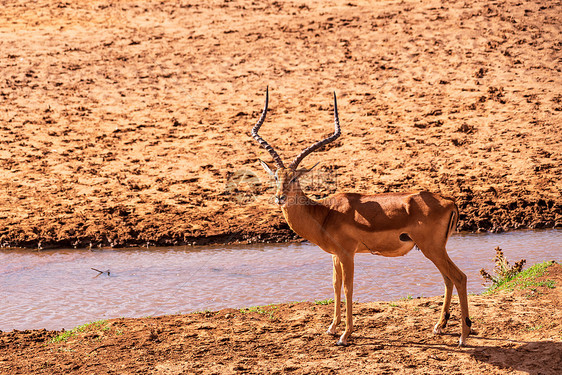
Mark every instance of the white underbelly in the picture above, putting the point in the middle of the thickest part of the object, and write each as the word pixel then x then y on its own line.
pixel 387 244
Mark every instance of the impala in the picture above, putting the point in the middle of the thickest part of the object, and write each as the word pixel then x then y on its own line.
pixel 345 224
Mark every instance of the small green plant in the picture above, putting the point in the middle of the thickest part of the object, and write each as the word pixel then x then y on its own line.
pixel 257 309
pixel 267 310
pixel 503 271
pixel 83 328
pixel 407 298
pixel 328 301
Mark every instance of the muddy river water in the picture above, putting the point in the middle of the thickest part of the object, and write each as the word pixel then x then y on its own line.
pixel 57 289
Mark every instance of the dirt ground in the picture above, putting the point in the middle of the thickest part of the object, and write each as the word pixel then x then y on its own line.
pixel 517 332
pixel 127 122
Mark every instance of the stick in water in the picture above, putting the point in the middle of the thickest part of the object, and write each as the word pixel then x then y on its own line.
pixel 101 271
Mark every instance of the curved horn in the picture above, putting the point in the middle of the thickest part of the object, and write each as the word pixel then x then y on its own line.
pixel 260 140
pixel 321 143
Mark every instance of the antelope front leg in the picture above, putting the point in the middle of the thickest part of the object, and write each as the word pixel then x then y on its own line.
pixel 347 273
pixel 336 280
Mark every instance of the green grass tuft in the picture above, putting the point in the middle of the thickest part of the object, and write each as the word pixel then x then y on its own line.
pixel 83 328
pixel 328 301
pixel 524 279
pixel 407 298
pixel 266 310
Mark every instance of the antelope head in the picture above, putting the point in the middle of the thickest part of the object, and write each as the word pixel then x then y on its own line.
pixel 287 178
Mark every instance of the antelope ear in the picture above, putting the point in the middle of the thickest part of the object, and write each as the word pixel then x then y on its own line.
pixel 306 170
pixel 303 171
pixel 266 167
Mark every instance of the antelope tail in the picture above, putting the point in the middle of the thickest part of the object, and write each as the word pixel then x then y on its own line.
pixel 453 221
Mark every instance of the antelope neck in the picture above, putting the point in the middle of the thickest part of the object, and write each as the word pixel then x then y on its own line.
pixel 304 215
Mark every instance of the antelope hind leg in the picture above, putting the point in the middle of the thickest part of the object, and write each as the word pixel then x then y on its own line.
pixel 445 315
pixel 347 273
pixel 449 269
pixel 337 282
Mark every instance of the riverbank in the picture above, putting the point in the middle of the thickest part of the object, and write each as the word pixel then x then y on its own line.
pixel 518 331
pixel 128 123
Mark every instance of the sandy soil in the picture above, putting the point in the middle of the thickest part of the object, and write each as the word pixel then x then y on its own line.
pixel 127 123
pixel 514 333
